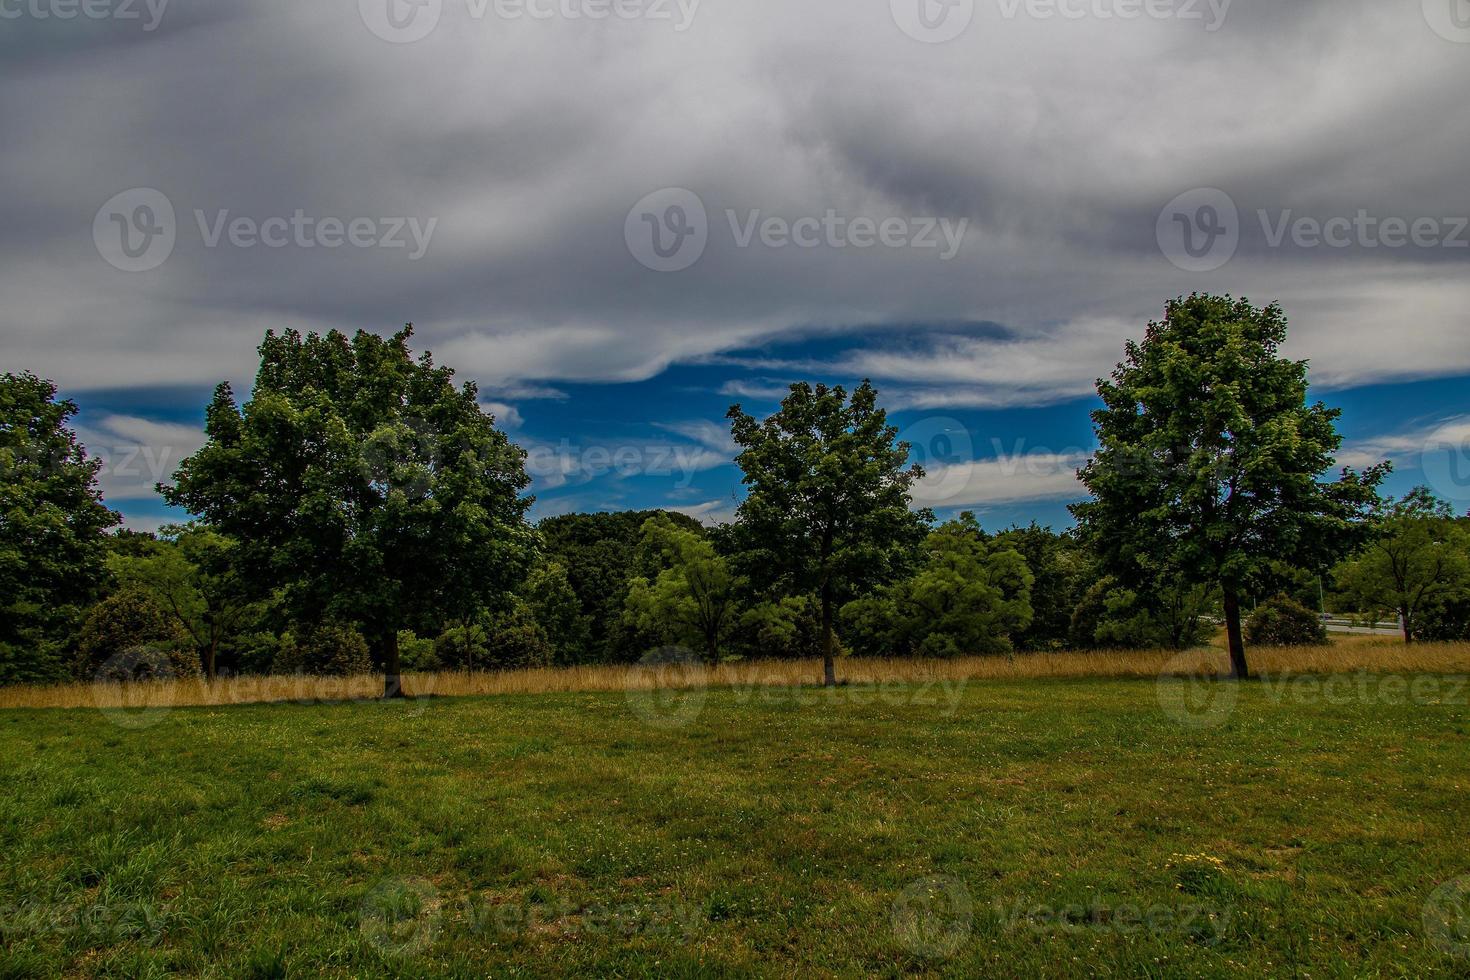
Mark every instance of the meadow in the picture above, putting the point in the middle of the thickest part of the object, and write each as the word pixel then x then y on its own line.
pixel 1043 816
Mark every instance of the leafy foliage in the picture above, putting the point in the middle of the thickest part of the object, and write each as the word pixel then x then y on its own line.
pixel 190 571
pixel 601 553
pixel 693 600
pixel 1209 459
pixel 327 649
pixel 365 485
pixel 968 596
pixel 52 524
pixel 1283 622
pixel 1168 616
pixel 827 509
pixel 1417 564
pixel 129 635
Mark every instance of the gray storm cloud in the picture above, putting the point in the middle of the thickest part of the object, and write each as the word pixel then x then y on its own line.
pixel 526 138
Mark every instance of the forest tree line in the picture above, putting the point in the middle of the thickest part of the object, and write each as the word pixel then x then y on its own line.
pixel 362 512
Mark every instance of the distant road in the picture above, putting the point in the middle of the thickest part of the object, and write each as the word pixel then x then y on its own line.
pixel 1347 626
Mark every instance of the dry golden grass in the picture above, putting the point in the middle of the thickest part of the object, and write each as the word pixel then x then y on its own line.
pixel 1385 656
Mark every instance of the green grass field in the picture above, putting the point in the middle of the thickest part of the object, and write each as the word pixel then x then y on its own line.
pixel 1008 828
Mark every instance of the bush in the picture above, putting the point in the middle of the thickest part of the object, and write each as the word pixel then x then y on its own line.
pixel 416 654
pixel 503 641
pixel 515 640
pixel 1446 621
pixel 327 649
pixel 129 636
pixel 1284 622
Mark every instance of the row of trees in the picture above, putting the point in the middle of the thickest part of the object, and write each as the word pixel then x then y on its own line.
pixel 362 510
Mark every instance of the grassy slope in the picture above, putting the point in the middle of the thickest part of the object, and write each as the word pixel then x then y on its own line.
pixel 764 837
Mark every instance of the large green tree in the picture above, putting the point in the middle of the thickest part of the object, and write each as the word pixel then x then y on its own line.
pixel 52 529
pixel 1418 562
pixel 366 485
pixel 828 496
pixel 1209 459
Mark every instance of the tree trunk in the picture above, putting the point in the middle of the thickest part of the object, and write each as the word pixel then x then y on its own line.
pixel 209 658
pixel 1238 668
pixel 829 668
pixel 392 676
pixel 1404 626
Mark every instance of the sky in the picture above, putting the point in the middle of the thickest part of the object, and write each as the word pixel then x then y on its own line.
pixel 619 217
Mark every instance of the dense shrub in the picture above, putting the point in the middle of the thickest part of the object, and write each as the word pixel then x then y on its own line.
pixel 514 639
pixel 128 635
pixel 462 647
pixel 415 653
pixel 1446 621
pixel 502 641
pixel 1284 622
pixel 1111 616
pixel 328 649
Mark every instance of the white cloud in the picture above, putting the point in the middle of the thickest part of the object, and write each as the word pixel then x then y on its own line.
pixel 1003 480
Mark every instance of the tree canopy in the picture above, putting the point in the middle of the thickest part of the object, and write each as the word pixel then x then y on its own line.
pixel 52 519
pixel 1209 460
pixel 828 493
pixel 365 485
